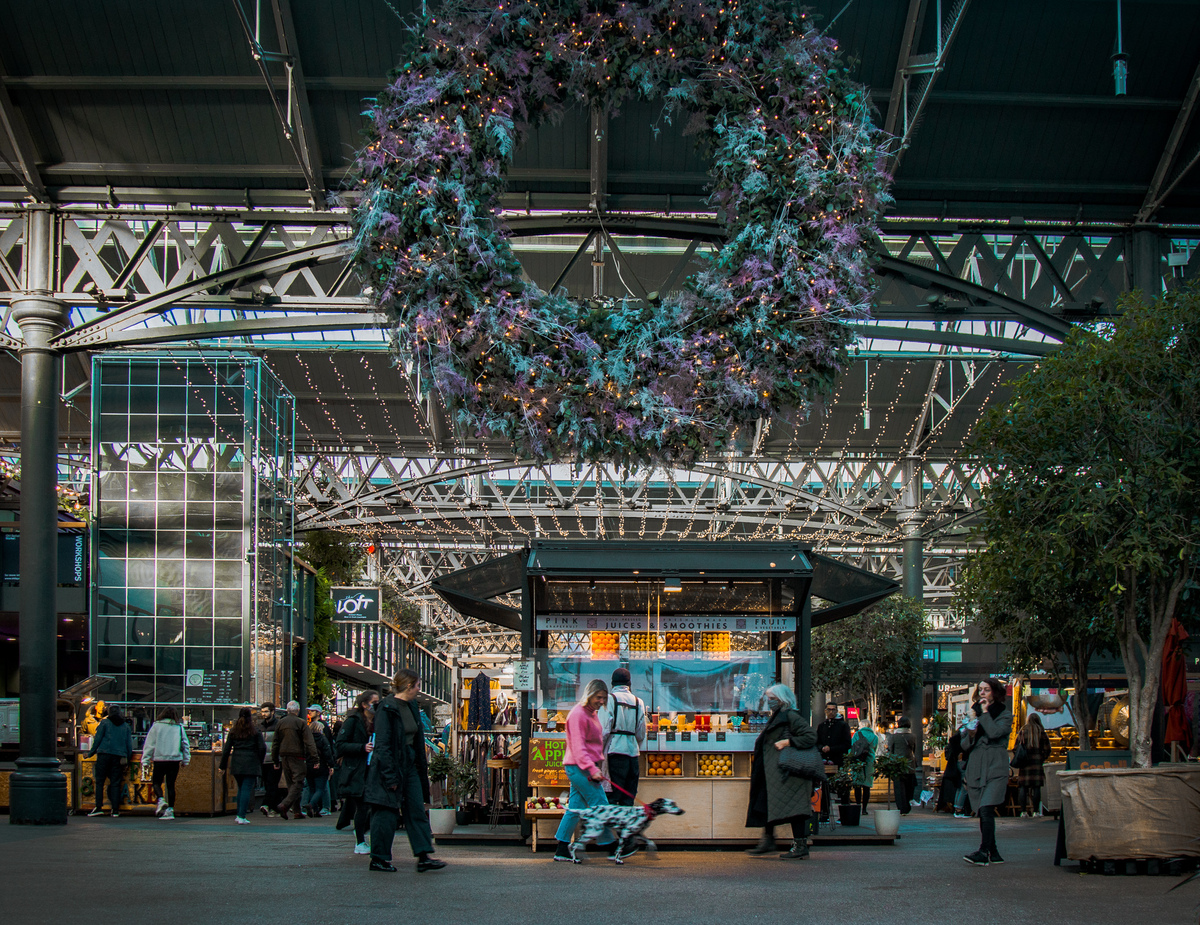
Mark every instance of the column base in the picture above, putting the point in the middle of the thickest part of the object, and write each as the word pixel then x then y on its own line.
pixel 37 793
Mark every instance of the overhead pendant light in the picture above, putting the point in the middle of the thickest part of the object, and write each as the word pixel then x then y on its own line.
pixel 672 585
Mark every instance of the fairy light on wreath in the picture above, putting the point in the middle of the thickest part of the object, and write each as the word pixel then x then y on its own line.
pixel 798 179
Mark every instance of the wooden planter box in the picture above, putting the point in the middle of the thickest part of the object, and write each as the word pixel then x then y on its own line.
pixel 1121 813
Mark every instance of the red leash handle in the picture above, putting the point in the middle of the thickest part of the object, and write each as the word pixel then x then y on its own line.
pixel 624 791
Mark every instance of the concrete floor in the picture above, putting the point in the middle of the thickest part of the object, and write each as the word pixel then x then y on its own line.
pixel 133 870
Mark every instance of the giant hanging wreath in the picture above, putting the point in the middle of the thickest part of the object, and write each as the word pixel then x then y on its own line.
pixel 797 180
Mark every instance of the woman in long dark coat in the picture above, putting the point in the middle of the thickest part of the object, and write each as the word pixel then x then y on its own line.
pixel 398 777
pixel 353 746
pixel 1032 775
pixel 242 757
pixel 775 796
pixel 985 740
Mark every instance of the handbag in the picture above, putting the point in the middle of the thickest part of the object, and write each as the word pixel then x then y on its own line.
pixel 1020 756
pixel 802 762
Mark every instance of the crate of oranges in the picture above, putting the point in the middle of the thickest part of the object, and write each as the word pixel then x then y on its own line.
pixel 677 642
pixel 664 764
pixel 605 645
pixel 643 642
pixel 715 643
pixel 711 765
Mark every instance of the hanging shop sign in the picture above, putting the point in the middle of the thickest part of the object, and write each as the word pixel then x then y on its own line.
pixel 355 605
pixel 523 677
pixel 580 623
pixel 546 763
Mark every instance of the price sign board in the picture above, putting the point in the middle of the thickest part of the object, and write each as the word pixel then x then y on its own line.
pixel 523 677
pixel 546 763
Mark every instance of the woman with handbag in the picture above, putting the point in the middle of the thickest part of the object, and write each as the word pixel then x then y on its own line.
pixel 244 752
pixel 582 760
pixel 985 740
pixel 354 747
pixel 777 796
pixel 1031 777
pixel 166 750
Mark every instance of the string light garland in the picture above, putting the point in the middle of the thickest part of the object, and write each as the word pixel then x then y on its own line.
pixel 798 181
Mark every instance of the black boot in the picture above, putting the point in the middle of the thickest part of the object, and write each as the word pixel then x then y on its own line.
pixel 798 851
pixel 765 845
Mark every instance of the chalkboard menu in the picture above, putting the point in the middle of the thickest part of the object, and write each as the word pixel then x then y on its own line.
pixel 211 686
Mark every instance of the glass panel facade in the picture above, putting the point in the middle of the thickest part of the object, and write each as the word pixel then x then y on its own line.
pixel 192 517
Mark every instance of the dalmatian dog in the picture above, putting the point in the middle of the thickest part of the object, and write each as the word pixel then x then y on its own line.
pixel 628 822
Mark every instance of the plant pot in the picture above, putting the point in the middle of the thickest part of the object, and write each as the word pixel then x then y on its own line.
pixel 887 822
pixel 849 813
pixel 442 821
pixel 464 816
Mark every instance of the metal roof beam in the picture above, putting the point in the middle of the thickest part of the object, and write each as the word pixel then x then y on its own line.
pixel 246 327
pixel 925 70
pixel 912 24
pixel 1156 194
pixel 316 190
pixel 306 132
pixel 17 133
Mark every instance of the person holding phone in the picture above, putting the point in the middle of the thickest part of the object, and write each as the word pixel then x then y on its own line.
pixel 985 742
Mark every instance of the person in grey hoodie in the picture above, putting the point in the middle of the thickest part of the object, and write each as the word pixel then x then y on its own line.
pixel 167 750
pixel 113 748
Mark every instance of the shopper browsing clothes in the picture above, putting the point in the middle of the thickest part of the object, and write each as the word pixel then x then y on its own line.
pixel 291 745
pixel 354 747
pixel 985 740
pixel 1031 777
pixel 398 777
pixel 581 761
pixel 777 797
pixel 112 746
pixel 623 724
pixel 243 756
pixel 166 750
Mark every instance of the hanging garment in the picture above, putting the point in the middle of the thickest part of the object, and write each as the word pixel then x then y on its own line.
pixel 479 714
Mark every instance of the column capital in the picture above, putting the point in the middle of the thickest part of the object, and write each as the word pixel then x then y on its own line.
pixel 40 317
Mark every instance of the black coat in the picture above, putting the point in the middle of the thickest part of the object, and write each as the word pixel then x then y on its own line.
pixel 351 748
pixel 244 756
pixel 324 744
pixel 394 759
pixel 776 796
pixel 836 734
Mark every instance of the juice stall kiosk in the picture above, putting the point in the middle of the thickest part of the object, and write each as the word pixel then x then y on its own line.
pixel 704 629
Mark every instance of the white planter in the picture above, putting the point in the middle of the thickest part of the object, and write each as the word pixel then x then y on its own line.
pixel 441 821
pixel 887 821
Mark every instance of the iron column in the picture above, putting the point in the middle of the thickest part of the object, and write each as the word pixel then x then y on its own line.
pixel 38 790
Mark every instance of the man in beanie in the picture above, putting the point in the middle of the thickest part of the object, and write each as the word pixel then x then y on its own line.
pixel 623 725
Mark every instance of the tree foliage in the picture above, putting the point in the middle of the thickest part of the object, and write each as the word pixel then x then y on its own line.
pixel 339 561
pixel 1096 461
pixel 874 654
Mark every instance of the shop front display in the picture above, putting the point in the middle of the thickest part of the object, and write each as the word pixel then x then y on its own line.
pixel 200 790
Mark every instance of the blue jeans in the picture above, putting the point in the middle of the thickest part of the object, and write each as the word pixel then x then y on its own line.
pixel 245 793
pixel 584 793
pixel 316 791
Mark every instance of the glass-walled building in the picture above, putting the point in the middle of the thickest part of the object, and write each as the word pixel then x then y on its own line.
pixel 192 503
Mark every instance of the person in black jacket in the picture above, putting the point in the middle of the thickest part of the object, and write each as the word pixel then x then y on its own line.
pixel 243 756
pixel 113 748
pixel 272 795
pixel 354 747
pixel 903 744
pixel 317 783
pixel 833 741
pixel 398 777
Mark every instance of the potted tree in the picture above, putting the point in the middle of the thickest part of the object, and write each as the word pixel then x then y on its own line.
pixel 892 768
pixel 842 785
pixel 455 777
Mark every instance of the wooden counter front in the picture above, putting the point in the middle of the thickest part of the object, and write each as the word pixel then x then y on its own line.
pixel 200 789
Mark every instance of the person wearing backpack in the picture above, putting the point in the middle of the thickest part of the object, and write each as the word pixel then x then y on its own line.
pixel 166 750
pixel 623 726
pixel 863 746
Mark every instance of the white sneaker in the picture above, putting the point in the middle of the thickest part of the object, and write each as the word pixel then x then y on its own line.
pixel 242 820
pixel 97 812
pixel 168 813
pixel 362 848
pixel 158 810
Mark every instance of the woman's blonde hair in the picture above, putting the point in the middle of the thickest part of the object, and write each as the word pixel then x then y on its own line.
pixel 594 687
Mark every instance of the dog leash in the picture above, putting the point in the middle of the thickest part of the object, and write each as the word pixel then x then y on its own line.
pixel 645 806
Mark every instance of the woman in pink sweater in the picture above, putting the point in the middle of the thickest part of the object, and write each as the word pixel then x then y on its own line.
pixel 585 751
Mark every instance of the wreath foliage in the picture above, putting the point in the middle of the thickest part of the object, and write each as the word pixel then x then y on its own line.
pixel 797 180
